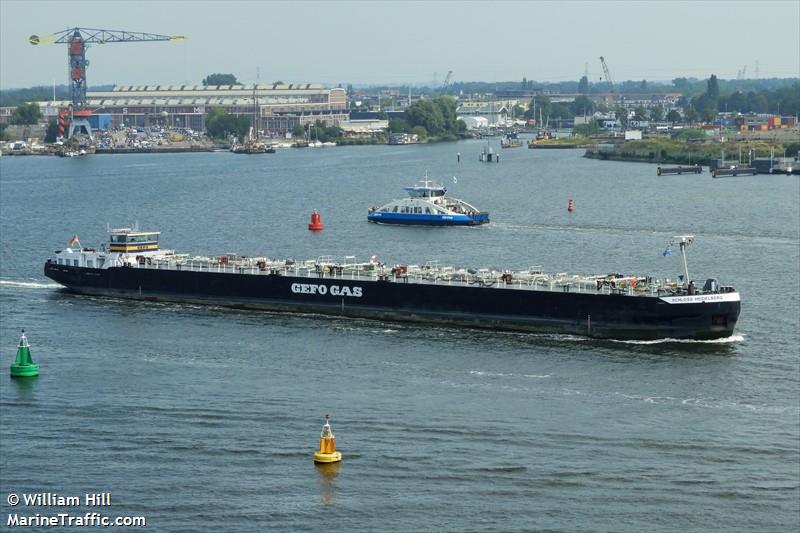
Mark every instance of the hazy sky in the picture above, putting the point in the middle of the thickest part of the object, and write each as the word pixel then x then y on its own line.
pixel 405 42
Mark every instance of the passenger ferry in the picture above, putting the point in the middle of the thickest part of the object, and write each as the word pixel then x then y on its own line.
pixel 613 306
pixel 428 204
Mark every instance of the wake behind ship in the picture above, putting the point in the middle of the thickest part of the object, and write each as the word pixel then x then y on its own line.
pixel 614 306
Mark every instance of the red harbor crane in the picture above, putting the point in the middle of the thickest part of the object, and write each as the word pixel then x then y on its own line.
pixel 77 115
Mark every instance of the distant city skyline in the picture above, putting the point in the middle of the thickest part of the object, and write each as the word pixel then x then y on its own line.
pixel 398 43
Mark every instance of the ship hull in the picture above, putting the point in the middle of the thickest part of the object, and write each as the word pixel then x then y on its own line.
pixel 410 219
pixel 497 307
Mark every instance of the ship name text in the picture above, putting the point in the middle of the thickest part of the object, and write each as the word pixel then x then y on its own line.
pixel 333 290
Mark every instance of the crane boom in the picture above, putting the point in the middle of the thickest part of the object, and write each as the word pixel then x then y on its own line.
pixel 607 74
pixel 95 36
pixel 447 78
pixel 77 39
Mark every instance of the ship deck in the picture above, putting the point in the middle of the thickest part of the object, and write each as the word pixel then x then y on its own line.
pixel 430 273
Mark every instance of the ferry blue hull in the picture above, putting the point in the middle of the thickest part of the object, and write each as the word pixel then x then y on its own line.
pixel 497 307
pixel 428 220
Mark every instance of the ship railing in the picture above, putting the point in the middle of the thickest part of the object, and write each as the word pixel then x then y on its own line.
pixel 523 280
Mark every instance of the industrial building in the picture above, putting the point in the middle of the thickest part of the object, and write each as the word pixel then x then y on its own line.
pixel 277 107
pixel 491 112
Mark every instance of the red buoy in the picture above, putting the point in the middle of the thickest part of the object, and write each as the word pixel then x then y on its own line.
pixel 316 222
pixel 570 206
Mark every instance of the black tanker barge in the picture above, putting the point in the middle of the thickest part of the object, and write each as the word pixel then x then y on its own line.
pixel 603 306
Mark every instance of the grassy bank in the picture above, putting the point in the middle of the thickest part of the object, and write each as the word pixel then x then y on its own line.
pixel 575 140
pixel 685 153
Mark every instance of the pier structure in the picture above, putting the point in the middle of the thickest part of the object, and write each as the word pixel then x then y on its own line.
pixel 736 171
pixel 695 169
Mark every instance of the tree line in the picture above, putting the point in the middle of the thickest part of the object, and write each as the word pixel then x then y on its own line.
pixel 431 119
pixel 702 107
pixel 705 106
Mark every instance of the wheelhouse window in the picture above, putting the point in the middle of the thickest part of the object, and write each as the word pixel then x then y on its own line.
pixel 127 239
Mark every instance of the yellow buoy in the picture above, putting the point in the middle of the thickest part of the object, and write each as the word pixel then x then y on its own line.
pixel 327 445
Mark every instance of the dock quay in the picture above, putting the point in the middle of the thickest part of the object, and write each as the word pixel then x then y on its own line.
pixel 534 145
pixel 694 169
pixel 155 149
pixel 737 171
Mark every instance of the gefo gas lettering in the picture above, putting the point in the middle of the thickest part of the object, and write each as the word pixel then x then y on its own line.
pixel 334 290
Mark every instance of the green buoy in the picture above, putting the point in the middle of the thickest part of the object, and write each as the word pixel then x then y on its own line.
pixel 24 367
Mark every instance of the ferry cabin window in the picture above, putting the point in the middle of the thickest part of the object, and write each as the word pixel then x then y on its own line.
pixel 394 210
pixel 427 210
pixel 75 262
pixel 90 263
pixel 144 238
pixel 134 238
pixel 60 261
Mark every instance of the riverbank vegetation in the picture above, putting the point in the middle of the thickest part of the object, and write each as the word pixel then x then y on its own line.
pixel 432 120
pixel 701 107
pixel 221 124
pixel 688 152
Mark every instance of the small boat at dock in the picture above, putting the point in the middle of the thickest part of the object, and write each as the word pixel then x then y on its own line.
pixel 511 140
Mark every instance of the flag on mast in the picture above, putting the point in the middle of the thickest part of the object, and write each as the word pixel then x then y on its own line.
pixel 74 240
pixel 666 251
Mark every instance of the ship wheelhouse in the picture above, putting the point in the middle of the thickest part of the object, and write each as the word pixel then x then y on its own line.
pixel 126 240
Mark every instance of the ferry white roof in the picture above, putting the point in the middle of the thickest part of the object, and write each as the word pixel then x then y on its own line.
pixel 130 231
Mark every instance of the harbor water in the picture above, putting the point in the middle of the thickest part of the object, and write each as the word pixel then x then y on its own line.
pixel 206 418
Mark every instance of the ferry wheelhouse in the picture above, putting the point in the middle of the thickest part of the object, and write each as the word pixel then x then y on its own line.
pixel 428 204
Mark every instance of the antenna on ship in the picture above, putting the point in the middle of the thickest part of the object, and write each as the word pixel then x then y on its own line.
pixel 683 241
pixel 427 180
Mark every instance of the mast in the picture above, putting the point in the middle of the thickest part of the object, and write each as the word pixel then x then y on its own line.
pixel 683 241
pixel 254 135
